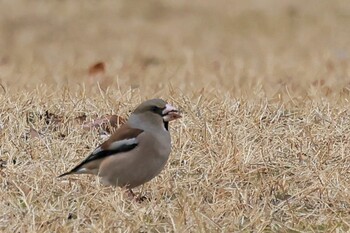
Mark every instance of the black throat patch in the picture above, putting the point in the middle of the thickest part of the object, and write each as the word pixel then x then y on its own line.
pixel 166 125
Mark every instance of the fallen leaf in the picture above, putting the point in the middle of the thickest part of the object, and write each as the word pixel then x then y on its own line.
pixel 97 69
pixel 80 119
pixel 107 123
pixel 33 133
pixel 51 118
pixel 97 74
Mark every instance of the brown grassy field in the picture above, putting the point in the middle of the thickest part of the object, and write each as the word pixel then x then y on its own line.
pixel 264 88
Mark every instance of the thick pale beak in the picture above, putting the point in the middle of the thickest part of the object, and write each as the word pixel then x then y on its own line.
pixel 170 113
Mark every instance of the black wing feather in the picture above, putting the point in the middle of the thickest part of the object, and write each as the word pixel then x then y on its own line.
pixel 105 153
pixel 100 155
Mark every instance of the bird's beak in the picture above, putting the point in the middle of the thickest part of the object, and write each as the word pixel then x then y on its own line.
pixel 170 113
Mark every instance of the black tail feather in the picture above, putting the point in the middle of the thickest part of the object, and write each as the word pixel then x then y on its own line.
pixel 65 174
pixel 73 171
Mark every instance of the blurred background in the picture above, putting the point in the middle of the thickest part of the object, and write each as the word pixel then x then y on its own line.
pixel 230 45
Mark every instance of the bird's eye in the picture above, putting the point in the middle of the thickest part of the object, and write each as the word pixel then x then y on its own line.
pixel 154 109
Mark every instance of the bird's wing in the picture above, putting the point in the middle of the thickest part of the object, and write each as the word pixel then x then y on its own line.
pixel 123 140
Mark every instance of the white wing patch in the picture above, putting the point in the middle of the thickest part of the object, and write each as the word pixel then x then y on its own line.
pixel 117 144
pixel 82 170
pixel 97 150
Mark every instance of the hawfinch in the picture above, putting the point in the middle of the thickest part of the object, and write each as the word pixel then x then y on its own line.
pixel 137 151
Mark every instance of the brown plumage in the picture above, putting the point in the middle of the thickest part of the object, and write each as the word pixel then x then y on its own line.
pixel 137 151
pixel 124 132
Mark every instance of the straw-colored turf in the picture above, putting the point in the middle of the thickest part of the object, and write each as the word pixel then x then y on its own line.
pixel 263 144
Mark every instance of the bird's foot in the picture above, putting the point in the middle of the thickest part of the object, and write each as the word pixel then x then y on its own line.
pixel 138 198
pixel 131 194
pixel 141 199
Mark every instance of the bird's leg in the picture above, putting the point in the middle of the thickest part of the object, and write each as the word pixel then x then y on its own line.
pixel 131 194
pixel 141 198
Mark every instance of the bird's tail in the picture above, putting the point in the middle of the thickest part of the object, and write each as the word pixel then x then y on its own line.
pixel 79 170
pixel 65 174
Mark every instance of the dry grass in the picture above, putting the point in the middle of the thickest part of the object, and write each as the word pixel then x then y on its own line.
pixel 264 88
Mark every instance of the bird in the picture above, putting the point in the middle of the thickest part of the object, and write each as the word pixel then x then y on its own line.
pixel 137 151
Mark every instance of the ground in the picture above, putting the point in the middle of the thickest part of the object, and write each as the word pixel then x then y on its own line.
pixel 263 86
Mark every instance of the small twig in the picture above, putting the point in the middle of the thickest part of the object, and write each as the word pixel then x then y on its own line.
pixel 2 86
